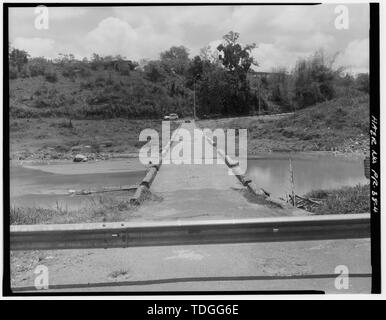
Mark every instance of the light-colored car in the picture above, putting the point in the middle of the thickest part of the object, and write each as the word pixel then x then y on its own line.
pixel 172 116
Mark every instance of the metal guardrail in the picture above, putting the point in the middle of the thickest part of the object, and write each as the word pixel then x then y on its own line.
pixel 138 234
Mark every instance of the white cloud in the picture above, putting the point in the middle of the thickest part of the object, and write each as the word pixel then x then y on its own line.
pixel 270 56
pixel 355 57
pixel 115 36
pixel 306 43
pixel 36 47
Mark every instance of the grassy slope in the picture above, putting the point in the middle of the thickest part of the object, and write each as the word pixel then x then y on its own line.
pixel 101 94
pixel 340 124
pixel 25 94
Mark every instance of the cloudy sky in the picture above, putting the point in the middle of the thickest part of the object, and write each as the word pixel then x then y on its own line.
pixel 282 33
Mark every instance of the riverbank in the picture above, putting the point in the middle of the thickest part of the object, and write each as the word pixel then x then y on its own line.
pixel 48 139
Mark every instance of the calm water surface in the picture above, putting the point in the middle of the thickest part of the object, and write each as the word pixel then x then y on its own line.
pixel 48 185
pixel 310 173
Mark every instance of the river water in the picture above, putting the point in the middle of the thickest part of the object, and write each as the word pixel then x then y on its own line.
pixel 48 185
pixel 310 173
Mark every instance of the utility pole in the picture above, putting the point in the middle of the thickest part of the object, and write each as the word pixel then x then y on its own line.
pixel 194 99
pixel 257 78
pixel 259 97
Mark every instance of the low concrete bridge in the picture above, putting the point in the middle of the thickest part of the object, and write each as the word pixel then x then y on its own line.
pixel 203 191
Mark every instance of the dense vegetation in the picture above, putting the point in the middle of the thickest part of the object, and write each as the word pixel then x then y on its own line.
pixel 222 83
pixel 342 201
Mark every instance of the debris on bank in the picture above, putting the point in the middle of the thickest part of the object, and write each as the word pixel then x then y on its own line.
pixel 307 204
pixel 104 190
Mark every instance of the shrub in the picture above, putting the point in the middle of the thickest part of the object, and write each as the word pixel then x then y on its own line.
pixel 38 67
pixel 84 72
pixel 68 72
pixel 51 76
pixel 13 74
pixel 314 79
pixel 363 82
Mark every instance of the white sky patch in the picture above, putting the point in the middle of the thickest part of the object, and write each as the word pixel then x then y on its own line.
pixel 64 13
pixel 293 19
pixel 55 13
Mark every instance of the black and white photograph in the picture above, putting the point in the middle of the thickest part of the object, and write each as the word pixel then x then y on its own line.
pixel 191 148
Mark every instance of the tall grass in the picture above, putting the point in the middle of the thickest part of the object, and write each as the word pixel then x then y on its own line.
pixel 342 201
pixel 100 208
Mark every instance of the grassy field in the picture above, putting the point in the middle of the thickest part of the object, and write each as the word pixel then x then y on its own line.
pixel 337 125
pixel 50 138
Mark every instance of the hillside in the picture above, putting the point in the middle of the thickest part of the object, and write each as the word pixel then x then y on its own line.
pixel 340 124
pixel 226 86
pixel 96 95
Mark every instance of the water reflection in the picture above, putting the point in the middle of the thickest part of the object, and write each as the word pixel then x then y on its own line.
pixel 309 174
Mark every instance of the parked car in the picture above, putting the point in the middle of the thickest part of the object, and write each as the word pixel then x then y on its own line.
pixel 171 116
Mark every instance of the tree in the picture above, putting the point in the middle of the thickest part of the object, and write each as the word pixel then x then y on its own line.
pixel 233 56
pixel 196 69
pixel 38 66
pixel 278 85
pixel 154 71
pixel 18 58
pixel 237 61
pixel 96 61
pixel 175 59
pixel 363 82
pixel 315 79
pixel 213 92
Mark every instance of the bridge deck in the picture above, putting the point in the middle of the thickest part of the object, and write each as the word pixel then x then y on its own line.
pixel 202 191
